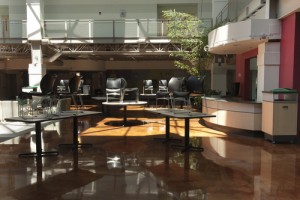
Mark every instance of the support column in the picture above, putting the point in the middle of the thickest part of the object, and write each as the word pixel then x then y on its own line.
pixel 268 62
pixel 36 69
pixel 289 57
pixel 35 21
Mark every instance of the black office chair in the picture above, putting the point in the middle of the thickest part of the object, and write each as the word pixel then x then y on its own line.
pixel 115 87
pixel 178 91
pixel 195 84
pixel 162 92
pixel 63 86
pixel 163 85
pixel 74 88
pixel 147 86
pixel 46 87
pixel 43 100
pixel 74 84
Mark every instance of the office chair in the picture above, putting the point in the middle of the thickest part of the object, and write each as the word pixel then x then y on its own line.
pixel 42 100
pixel 178 91
pixel 163 85
pixel 46 87
pixel 74 88
pixel 195 84
pixel 162 92
pixel 147 86
pixel 63 86
pixel 115 87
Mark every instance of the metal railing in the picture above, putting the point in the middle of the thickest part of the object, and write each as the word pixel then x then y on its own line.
pixel 58 29
pixel 13 29
pixel 231 11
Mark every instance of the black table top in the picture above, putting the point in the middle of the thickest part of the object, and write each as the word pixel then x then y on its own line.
pixel 62 115
pixel 125 103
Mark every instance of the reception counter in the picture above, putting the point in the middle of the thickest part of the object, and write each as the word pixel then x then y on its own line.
pixel 231 113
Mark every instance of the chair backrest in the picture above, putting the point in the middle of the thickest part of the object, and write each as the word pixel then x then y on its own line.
pixel 74 84
pixel 195 84
pixel 64 85
pixel 116 83
pixel 47 83
pixel 163 85
pixel 177 84
pixel 147 83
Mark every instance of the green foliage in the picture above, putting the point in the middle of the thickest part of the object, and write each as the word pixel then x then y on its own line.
pixel 198 102
pixel 188 31
pixel 212 92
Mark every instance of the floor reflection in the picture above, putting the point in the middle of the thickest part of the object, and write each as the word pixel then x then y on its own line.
pixel 127 163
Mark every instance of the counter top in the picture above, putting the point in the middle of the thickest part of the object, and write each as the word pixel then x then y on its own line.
pixel 234 113
pixel 230 99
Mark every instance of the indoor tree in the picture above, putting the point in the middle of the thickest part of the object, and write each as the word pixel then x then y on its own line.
pixel 188 31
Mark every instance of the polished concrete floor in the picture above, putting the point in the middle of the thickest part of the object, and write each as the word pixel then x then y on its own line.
pixel 126 162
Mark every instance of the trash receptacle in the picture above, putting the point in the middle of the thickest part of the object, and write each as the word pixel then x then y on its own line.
pixel 279 115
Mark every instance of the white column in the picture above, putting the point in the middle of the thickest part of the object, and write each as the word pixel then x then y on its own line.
pixel 268 62
pixel 35 21
pixel 36 69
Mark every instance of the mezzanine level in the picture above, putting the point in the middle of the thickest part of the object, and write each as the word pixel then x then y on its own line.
pixel 133 37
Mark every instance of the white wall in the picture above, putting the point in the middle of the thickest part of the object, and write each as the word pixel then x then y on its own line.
pixel 104 2
pixel 4 2
pixel 260 14
pixel 89 9
pixel 108 11
pixel 286 7
pixel 17 10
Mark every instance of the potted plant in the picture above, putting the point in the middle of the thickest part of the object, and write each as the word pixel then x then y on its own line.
pixel 190 32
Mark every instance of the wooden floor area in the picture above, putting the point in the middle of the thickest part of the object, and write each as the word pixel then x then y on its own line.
pixel 143 123
pixel 126 163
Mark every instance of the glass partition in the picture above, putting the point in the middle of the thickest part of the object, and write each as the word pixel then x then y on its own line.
pixel 57 29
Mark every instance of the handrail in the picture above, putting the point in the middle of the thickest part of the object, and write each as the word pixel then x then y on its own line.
pixel 230 12
pixel 91 28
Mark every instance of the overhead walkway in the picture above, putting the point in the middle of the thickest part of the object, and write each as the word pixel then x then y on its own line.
pixel 91 37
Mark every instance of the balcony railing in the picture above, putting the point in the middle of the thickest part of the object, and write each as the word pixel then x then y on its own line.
pixel 71 29
pixel 237 10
